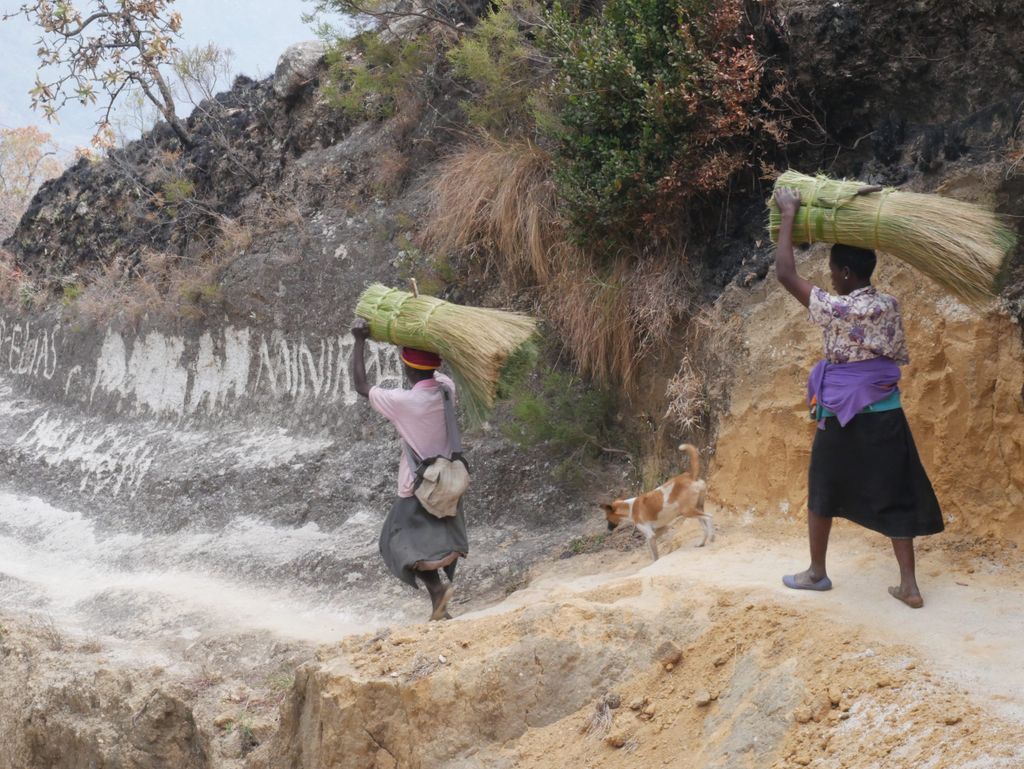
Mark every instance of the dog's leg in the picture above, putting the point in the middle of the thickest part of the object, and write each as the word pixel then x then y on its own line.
pixel 652 540
pixel 709 530
pixel 704 530
pixel 652 545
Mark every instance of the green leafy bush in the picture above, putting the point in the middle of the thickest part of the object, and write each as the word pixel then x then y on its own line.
pixel 175 192
pixel 565 415
pixel 504 69
pixel 71 292
pixel 369 78
pixel 656 100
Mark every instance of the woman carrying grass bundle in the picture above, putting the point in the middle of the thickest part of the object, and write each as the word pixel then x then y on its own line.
pixel 864 464
pixel 413 542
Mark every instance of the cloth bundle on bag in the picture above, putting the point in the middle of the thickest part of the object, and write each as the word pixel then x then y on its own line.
pixel 441 481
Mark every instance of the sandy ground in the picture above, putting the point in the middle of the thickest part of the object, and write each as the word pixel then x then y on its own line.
pixel 969 630
pixel 757 676
pixel 702 660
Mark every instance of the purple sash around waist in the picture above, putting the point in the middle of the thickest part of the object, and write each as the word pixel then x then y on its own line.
pixel 846 388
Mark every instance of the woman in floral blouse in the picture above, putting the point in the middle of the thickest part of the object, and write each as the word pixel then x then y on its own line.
pixel 864 464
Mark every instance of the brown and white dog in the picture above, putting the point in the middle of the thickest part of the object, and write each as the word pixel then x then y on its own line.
pixel 679 497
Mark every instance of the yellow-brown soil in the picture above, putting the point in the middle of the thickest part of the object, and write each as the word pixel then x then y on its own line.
pixel 702 659
pixel 963 394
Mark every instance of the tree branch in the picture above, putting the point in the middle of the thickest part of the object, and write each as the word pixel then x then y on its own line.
pixel 86 23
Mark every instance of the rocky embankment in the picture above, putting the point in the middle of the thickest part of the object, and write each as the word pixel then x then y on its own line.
pixel 192 489
pixel 963 394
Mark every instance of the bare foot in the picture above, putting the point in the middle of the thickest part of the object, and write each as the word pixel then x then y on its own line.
pixel 912 599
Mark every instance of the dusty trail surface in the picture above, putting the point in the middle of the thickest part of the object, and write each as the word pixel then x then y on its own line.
pixel 701 660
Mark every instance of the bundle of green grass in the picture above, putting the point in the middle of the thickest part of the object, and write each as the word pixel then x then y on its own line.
pixel 488 350
pixel 960 246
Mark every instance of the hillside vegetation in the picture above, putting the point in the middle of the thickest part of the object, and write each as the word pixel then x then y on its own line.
pixel 601 164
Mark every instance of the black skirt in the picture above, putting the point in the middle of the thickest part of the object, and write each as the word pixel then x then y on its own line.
pixel 411 534
pixel 869 472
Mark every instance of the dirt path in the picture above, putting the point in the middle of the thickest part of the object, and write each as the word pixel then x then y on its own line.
pixel 703 660
pixel 969 631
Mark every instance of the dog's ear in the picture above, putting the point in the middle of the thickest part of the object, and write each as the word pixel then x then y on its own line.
pixel 607 508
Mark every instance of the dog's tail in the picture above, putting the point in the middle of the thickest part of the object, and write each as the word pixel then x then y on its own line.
pixel 694 460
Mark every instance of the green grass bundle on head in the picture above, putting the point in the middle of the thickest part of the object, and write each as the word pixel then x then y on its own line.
pixel 488 350
pixel 960 246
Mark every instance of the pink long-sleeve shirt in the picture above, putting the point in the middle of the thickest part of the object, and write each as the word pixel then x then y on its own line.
pixel 418 415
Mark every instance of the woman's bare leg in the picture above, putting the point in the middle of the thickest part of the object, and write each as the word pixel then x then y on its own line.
pixel 818 529
pixel 907 591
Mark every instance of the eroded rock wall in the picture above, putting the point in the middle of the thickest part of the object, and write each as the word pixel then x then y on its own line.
pixel 60 714
pixel 963 395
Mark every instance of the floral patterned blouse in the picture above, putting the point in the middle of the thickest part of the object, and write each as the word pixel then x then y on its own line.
pixel 862 325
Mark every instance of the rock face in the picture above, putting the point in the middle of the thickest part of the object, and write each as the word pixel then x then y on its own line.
pixel 963 394
pixel 298 66
pixel 111 418
pixel 59 715
pixel 500 677
pixel 899 70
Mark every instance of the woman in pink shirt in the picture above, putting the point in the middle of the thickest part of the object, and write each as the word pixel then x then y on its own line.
pixel 413 542
pixel 864 464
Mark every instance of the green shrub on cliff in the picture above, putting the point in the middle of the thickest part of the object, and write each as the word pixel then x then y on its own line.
pixel 565 415
pixel 503 69
pixel 370 77
pixel 655 100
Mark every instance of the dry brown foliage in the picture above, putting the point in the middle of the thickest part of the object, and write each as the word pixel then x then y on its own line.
pixel 163 284
pixel 17 288
pixel 114 290
pixel 497 199
pixel 1015 152
pixel 234 237
pixel 698 394
pixel 495 203
pixel 687 406
pixel 27 159
pixel 612 319
pixel 389 172
pixel 600 721
pixel 10 275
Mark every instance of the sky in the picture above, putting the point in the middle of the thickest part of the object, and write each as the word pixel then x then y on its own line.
pixel 257 32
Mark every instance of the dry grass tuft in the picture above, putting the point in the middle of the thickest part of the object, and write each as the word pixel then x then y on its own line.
pixel 234 237
pixel 16 287
pixel 1015 151
pixel 90 646
pixel 389 173
pixel 496 203
pixel 687 402
pixel 160 285
pixel 10 276
pixel 163 284
pixel 499 198
pixel 698 393
pixel 613 320
pixel 600 721
pixel 690 407
pixel 45 628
